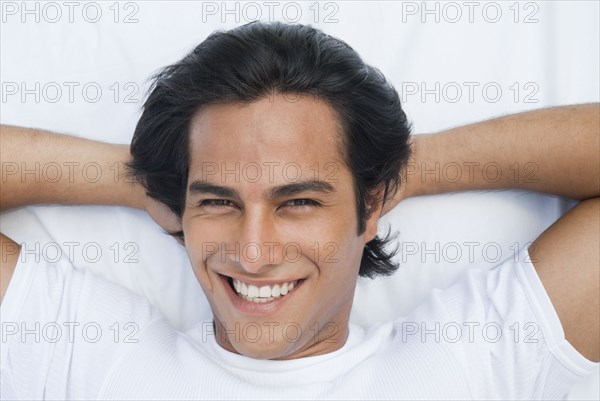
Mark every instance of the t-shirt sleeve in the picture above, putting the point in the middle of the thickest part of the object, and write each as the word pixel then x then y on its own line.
pixel 63 328
pixel 503 332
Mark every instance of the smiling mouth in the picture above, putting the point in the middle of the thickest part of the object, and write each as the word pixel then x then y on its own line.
pixel 262 294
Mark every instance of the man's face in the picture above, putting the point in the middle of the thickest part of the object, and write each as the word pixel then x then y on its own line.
pixel 270 225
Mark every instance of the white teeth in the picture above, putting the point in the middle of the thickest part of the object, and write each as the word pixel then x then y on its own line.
pixel 252 291
pixel 263 294
pixel 265 291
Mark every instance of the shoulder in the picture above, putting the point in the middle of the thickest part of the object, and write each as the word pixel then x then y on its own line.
pixel 63 324
pixel 499 327
pixel 9 255
pixel 566 258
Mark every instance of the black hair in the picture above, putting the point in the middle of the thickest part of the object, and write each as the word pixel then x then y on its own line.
pixel 256 60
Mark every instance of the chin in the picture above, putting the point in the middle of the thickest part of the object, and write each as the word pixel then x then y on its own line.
pixel 271 350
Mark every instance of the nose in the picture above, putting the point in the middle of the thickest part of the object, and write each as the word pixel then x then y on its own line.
pixel 257 244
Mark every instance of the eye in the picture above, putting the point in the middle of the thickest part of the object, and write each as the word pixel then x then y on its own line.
pixel 301 203
pixel 216 203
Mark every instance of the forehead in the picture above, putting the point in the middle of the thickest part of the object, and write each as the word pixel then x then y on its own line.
pixel 301 129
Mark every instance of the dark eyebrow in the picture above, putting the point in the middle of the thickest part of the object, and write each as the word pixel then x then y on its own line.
pixel 200 187
pixel 299 187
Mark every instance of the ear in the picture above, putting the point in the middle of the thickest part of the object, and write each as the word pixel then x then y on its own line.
pixel 374 208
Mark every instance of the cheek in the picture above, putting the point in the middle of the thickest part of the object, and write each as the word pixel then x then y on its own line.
pixel 199 246
pixel 193 243
pixel 336 281
pixel 202 236
pixel 337 251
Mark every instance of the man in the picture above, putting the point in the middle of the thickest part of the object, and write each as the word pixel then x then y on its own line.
pixel 277 250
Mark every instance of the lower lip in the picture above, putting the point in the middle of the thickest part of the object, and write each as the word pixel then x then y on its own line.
pixel 257 308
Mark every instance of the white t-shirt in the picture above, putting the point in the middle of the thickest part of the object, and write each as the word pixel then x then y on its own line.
pixel 69 334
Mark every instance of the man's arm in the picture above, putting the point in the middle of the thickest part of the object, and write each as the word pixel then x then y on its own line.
pixel 44 168
pixel 556 151
pixel 40 167
pixel 553 150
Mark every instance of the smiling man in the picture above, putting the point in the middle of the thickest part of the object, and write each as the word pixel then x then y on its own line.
pixel 256 242
pixel 278 153
pixel 270 152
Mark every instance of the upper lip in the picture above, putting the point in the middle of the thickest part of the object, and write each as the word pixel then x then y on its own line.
pixel 261 282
